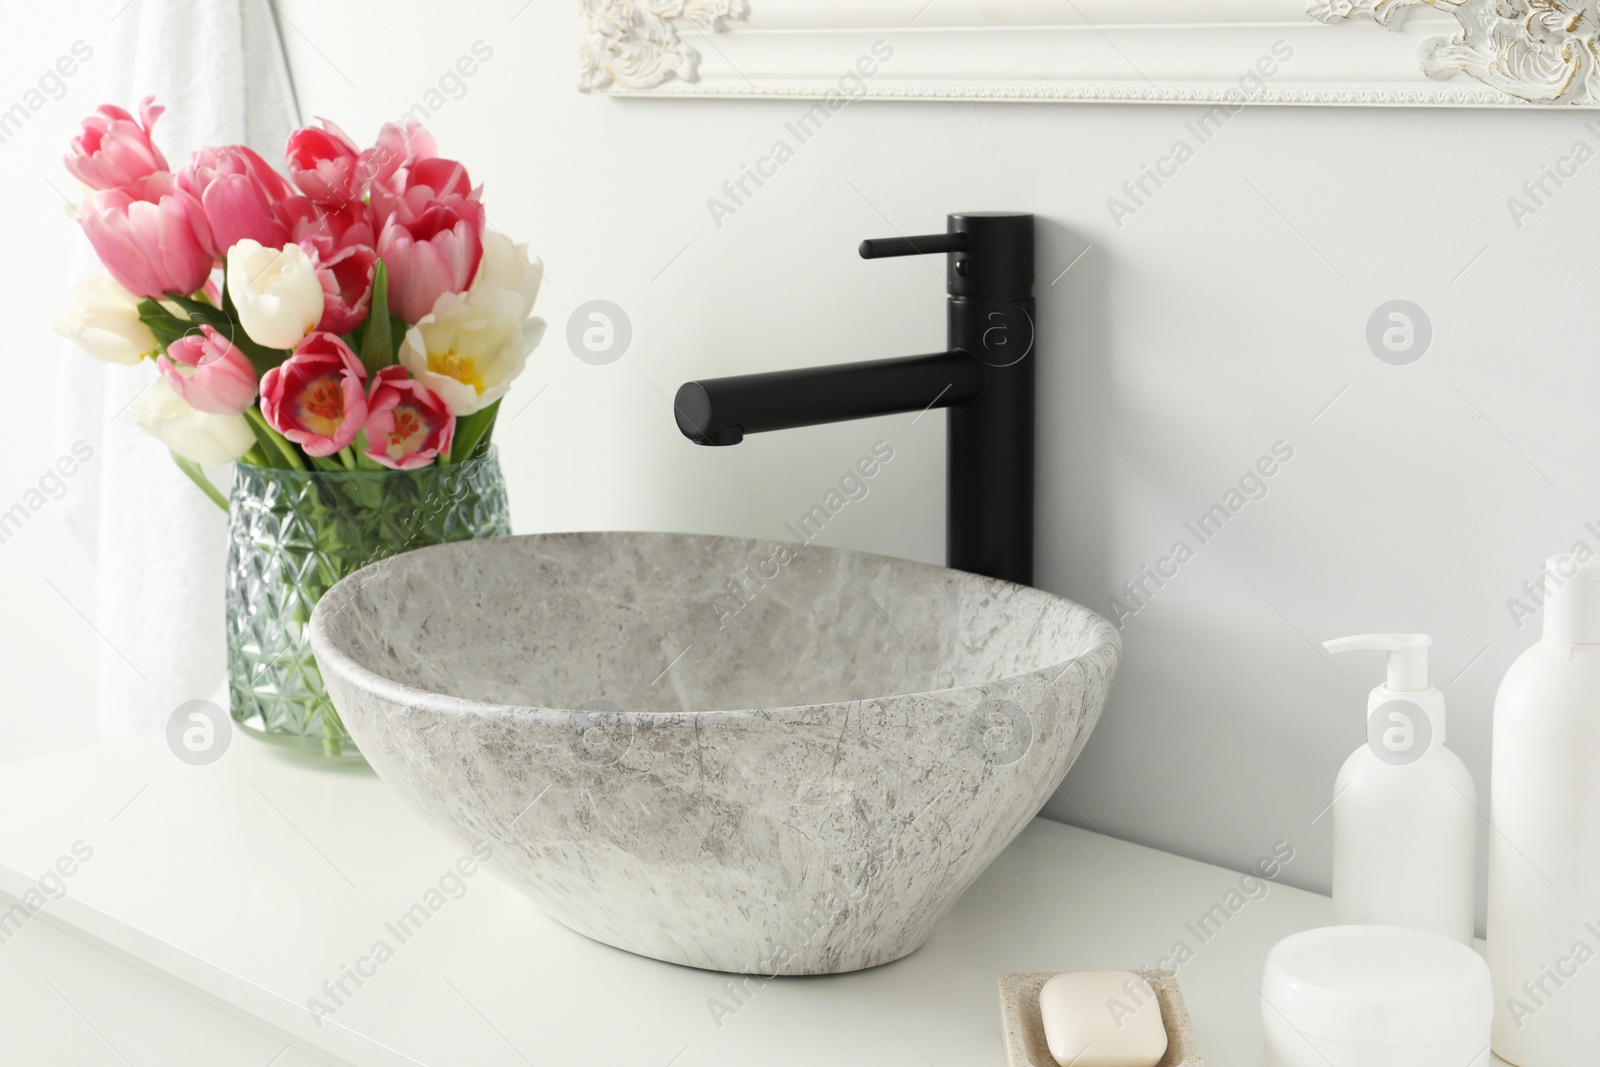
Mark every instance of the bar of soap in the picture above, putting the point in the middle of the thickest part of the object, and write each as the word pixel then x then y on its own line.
pixel 1102 1019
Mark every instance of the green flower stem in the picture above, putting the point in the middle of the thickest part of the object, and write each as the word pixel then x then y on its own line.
pixel 198 476
pixel 364 462
pixel 268 436
pixel 334 733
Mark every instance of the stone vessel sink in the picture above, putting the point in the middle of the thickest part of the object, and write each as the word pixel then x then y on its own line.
pixel 730 754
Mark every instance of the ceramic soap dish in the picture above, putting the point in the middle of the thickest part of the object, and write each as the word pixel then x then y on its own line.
pixel 1024 1029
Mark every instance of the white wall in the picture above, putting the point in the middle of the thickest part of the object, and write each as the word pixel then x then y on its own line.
pixel 1221 318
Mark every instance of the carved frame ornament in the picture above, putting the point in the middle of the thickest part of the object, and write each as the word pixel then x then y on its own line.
pixel 1537 51
pixel 637 44
pixel 1478 53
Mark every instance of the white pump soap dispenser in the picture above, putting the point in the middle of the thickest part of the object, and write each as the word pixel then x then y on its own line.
pixel 1404 807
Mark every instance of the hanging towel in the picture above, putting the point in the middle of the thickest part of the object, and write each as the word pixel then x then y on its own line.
pixel 158 543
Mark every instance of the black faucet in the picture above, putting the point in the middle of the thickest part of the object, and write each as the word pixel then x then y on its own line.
pixel 986 380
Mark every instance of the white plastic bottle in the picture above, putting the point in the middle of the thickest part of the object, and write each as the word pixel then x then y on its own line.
pixel 1405 809
pixel 1544 854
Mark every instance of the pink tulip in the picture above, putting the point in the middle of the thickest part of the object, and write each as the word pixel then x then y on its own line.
pixel 316 397
pixel 324 165
pixel 408 424
pixel 209 372
pixel 396 151
pixel 241 195
pixel 151 248
pixel 344 225
pixel 435 252
pixel 445 177
pixel 423 185
pixel 208 164
pixel 114 151
pixel 430 182
pixel 346 277
pixel 236 209
pixel 429 219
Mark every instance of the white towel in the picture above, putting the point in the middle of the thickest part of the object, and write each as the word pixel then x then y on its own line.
pixel 159 545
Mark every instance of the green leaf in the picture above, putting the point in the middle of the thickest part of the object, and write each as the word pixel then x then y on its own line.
pixel 166 326
pixel 377 339
pixel 197 475
pixel 201 311
pixel 472 433
pixel 398 328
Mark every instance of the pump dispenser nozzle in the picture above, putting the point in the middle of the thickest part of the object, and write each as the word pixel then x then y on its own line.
pixel 1408 656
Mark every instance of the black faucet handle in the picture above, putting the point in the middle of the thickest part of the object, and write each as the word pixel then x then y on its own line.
pixel 884 247
pixel 991 254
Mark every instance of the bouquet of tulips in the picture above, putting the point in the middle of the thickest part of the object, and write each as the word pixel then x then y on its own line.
pixel 356 314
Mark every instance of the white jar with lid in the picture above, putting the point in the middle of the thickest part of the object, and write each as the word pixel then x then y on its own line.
pixel 1375 996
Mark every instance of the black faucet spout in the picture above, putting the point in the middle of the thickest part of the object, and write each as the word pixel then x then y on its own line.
pixel 986 379
pixel 720 411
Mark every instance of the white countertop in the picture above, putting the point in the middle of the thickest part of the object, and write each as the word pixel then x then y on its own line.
pixel 219 899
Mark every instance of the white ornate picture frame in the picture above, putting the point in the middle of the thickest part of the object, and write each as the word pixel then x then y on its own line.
pixel 1474 53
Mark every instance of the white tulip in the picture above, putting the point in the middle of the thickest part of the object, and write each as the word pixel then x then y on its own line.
pixel 103 318
pixel 275 291
pixel 204 438
pixel 472 345
pixel 506 266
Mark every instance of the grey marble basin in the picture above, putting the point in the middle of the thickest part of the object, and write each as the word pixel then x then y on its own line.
pixel 730 754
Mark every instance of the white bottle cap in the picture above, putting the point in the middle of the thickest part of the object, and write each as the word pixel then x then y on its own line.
pixel 1378 988
pixel 1572 612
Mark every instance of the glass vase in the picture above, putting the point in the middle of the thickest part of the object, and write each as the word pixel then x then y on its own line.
pixel 292 535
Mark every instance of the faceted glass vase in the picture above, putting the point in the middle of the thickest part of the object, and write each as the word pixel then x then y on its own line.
pixel 292 535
